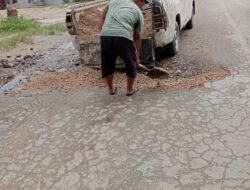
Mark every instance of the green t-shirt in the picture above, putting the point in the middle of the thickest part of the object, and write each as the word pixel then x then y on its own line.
pixel 122 19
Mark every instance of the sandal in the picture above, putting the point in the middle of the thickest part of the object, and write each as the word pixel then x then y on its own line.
pixel 132 92
pixel 114 92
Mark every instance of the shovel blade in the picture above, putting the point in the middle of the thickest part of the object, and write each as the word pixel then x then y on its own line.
pixel 158 72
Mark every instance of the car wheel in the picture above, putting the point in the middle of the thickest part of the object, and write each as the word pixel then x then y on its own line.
pixel 174 47
pixel 190 23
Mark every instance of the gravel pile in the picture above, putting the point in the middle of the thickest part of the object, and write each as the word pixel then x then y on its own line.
pixel 87 77
pixel 80 77
pixel 20 61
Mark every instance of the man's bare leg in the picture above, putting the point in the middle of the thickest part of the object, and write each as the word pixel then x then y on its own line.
pixel 130 84
pixel 109 80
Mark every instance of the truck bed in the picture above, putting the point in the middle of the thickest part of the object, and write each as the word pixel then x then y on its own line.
pixel 87 38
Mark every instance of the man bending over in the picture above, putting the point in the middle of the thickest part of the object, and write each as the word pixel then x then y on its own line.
pixel 121 23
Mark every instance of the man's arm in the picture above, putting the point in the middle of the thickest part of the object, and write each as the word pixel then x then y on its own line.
pixel 102 19
pixel 137 35
pixel 103 16
pixel 137 39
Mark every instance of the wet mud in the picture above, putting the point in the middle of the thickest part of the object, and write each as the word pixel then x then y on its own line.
pixel 9 68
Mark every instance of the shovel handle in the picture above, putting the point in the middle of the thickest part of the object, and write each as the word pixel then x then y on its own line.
pixel 142 67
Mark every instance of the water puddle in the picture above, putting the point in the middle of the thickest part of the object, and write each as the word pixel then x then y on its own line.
pixel 13 83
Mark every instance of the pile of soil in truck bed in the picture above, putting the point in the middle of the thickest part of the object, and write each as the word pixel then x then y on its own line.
pixel 183 73
pixel 88 25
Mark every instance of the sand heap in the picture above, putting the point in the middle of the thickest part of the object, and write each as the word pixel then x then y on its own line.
pixel 88 25
pixel 86 77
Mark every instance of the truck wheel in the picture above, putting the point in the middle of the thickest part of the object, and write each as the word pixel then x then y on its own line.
pixel 190 23
pixel 174 47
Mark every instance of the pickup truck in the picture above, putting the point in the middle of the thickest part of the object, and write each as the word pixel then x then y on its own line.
pixel 164 20
pixel 169 18
pixel 2 4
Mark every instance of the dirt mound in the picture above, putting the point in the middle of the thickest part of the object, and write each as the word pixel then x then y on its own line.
pixel 87 77
pixel 88 26
pixel 147 13
pixel 5 76
pixel 80 77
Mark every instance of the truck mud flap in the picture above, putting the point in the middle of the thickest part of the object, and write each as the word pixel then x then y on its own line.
pixel 147 53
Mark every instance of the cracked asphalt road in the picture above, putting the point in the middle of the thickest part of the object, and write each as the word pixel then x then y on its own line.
pixel 159 139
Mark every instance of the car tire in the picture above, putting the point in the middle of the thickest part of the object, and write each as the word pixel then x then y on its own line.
pixel 174 47
pixel 190 23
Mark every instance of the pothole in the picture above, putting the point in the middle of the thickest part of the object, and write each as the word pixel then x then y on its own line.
pixel 86 77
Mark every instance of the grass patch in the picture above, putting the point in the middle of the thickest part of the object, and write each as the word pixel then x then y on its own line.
pixel 22 30
pixel 15 25
pixel 53 29
pixel 13 41
pixel 16 39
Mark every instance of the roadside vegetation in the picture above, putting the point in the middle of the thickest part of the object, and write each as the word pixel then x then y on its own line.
pixel 17 30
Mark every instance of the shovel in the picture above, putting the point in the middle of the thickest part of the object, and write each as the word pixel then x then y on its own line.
pixel 142 67
pixel 155 72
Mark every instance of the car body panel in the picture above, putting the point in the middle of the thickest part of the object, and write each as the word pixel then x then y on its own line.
pixel 173 8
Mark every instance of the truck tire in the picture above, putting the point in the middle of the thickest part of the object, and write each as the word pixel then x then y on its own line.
pixel 190 23
pixel 174 47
